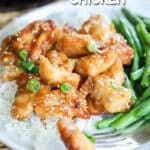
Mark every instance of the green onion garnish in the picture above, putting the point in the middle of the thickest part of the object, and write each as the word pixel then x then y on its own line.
pixel 66 87
pixel 115 86
pixel 23 55
pixel 92 46
pixel 33 85
pixel 90 137
pixel 35 70
pixel 28 66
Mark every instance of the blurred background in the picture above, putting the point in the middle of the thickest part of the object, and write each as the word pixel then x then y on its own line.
pixel 13 8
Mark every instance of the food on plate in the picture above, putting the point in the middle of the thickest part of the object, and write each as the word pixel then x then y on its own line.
pixel 73 138
pixel 65 72
pixel 136 30
pixel 68 73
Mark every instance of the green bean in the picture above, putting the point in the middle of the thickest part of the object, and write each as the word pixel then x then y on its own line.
pixel 145 95
pixel 135 37
pixel 147 117
pixel 146 75
pixel 143 33
pixel 132 116
pixel 137 74
pixel 105 123
pixel 131 17
pixel 128 36
pixel 128 85
pixel 133 127
pixel 117 25
pixel 146 22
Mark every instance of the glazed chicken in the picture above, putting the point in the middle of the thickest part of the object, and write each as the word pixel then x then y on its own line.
pixel 37 38
pixel 56 103
pixel 112 96
pixel 73 138
pixel 59 73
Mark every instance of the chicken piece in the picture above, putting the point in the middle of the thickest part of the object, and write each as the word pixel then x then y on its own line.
pixel 7 58
pixel 94 108
pixel 95 64
pixel 99 28
pixel 125 52
pixel 69 29
pixel 11 72
pixel 37 38
pixel 54 75
pixel 56 103
pixel 116 72
pixel 22 107
pixel 85 90
pixel 72 137
pixel 113 97
pixel 60 60
pixel 74 45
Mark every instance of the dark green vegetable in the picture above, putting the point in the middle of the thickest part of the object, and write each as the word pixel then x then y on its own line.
pixel 132 116
pixel 131 16
pixel 90 137
pixel 28 66
pixel 105 123
pixel 33 85
pixel 135 37
pixel 23 55
pixel 147 117
pixel 66 87
pixel 133 127
pixel 146 22
pixel 117 25
pixel 137 74
pixel 145 95
pixel 146 75
pixel 129 85
pixel 129 37
pixel 35 69
pixel 143 33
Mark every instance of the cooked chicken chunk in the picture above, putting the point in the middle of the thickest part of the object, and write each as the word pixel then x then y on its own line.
pixel 74 45
pixel 11 72
pixel 22 107
pixel 69 29
pixel 113 97
pixel 54 102
pixel 99 28
pixel 37 38
pixel 60 60
pixel 116 72
pixel 55 75
pixel 95 64
pixel 72 137
pixel 125 52
pixel 7 58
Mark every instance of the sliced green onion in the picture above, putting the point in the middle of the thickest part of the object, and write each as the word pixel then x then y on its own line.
pixel 35 70
pixel 92 46
pixel 66 87
pixel 33 85
pixel 23 55
pixel 28 66
pixel 90 137
pixel 115 86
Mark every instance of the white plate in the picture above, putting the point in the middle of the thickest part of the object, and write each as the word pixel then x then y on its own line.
pixel 13 133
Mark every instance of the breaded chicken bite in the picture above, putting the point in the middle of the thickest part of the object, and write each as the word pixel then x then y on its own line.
pixel 72 137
